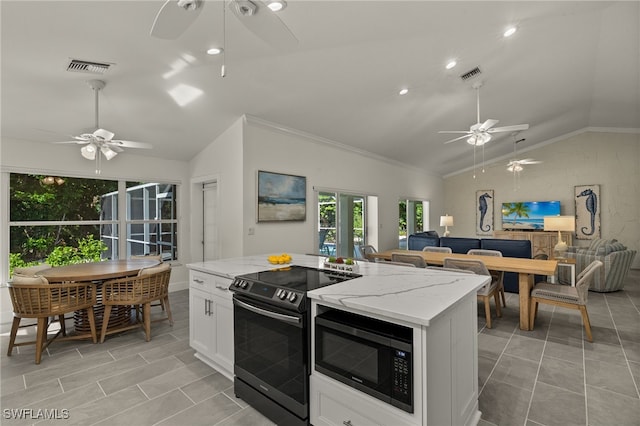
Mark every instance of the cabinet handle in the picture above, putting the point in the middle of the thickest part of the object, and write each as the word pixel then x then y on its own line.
pixel 210 305
pixel 221 287
pixel 198 280
pixel 347 423
pixel 206 307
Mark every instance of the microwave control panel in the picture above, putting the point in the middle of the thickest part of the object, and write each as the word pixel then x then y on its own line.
pixel 401 376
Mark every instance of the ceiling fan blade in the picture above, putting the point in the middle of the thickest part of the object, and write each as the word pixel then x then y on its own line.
pixel 487 125
pixel 130 144
pixel 104 134
pixel 457 139
pixel 455 131
pixel 76 141
pixel 530 161
pixel 509 128
pixel 174 17
pixel 264 23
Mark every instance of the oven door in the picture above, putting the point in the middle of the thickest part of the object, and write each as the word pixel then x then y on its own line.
pixel 271 352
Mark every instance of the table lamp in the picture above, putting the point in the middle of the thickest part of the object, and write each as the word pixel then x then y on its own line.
pixel 446 221
pixel 559 223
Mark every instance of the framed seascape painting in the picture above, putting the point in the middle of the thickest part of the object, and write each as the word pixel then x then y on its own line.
pixel 281 197
pixel 587 211
pixel 484 212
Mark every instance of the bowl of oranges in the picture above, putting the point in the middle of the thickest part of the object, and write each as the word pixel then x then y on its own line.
pixel 279 259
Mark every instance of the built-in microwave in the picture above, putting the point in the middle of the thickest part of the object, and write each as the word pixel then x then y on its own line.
pixel 367 354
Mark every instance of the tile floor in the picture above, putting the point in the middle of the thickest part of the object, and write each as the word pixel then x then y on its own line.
pixel 550 376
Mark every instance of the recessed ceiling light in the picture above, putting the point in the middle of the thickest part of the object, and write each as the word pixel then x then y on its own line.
pixel 403 91
pixel 451 64
pixel 510 31
pixel 214 51
pixel 276 5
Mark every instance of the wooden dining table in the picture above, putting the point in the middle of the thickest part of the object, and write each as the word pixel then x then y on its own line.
pixel 99 272
pixel 525 268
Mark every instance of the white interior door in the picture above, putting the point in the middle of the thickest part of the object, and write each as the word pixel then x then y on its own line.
pixel 210 221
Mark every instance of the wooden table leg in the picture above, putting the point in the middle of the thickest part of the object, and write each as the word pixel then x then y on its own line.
pixel 525 284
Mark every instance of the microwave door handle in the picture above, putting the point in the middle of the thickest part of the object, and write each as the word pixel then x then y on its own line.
pixel 274 315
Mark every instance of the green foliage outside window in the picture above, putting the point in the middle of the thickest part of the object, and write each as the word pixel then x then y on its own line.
pixel 58 244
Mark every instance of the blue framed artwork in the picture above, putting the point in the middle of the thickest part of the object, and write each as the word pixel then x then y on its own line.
pixel 281 197
pixel 587 199
pixel 484 212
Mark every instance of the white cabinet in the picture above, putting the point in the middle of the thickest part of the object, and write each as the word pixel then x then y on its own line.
pixel 334 404
pixel 211 320
pixel 445 377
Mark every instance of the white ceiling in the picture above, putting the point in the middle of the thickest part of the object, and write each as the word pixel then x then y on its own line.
pixel 570 66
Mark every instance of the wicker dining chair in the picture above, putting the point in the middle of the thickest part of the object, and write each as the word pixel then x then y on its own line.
pixel 414 259
pixel 566 296
pixel 496 275
pixel 151 284
pixel 33 297
pixel 487 291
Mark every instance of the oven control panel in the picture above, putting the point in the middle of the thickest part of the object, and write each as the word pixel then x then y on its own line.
pixel 268 293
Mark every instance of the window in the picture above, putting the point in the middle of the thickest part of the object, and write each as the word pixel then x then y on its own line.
pixel 70 220
pixel 342 223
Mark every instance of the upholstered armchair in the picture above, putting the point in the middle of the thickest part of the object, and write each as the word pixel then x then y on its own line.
pixel 617 260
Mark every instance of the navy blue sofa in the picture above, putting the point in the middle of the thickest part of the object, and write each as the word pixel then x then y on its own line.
pixel 508 248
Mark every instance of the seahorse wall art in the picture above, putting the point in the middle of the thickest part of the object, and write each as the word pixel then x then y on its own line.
pixel 587 213
pixel 485 212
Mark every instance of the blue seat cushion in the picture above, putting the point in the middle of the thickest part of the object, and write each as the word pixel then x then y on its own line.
pixel 510 248
pixel 460 245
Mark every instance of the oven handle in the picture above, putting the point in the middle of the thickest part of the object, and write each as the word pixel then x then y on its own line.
pixel 280 317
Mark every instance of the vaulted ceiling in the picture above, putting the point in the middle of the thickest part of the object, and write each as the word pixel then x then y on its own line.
pixel 571 65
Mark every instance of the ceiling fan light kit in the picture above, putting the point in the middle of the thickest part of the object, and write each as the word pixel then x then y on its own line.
pixel 100 142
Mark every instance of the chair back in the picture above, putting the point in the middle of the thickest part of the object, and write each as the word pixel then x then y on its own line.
pixel 366 249
pixel 414 259
pixel 437 249
pixel 485 252
pixel 30 270
pixel 476 266
pixel 389 262
pixel 34 297
pixel 585 278
pixel 157 257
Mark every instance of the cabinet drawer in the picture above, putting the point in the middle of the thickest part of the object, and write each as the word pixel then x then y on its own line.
pixel 334 412
pixel 201 280
pixel 221 287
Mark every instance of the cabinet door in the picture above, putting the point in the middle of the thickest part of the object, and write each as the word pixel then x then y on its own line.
pixel 201 322
pixel 223 332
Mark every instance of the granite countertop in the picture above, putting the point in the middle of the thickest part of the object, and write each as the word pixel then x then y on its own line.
pixel 414 295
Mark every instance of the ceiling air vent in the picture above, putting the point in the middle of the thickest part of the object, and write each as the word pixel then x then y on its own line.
pixel 470 74
pixel 77 65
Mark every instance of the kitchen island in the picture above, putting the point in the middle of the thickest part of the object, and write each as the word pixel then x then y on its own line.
pixel 439 307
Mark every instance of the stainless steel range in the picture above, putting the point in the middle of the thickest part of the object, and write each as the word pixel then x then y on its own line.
pixel 272 339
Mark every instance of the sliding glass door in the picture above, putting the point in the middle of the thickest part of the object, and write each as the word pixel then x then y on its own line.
pixel 341 223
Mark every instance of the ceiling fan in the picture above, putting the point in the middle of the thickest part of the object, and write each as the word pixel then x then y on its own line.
pixel 101 140
pixel 175 16
pixel 515 166
pixel 480 133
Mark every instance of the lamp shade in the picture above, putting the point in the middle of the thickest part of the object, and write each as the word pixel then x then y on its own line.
pixel 108 152
pixel 446 220
pixel 559 223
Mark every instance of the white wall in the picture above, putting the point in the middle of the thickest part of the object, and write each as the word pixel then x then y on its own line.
pixel 611 160
pixel 65 160
pixel 325 165
pixel 222 160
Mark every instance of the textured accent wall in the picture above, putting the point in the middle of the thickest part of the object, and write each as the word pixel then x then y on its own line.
pixel 611 160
